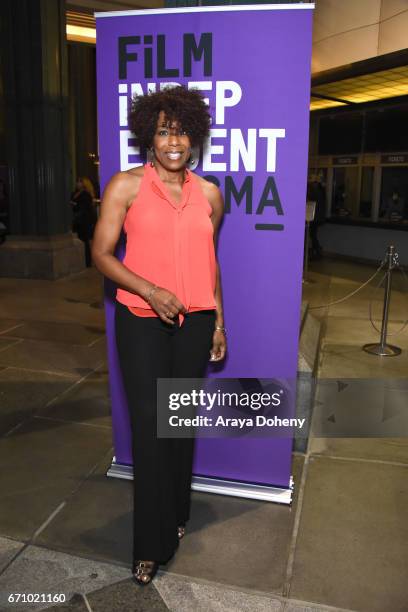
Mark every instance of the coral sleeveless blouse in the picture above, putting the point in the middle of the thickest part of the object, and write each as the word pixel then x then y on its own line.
pixel 170 244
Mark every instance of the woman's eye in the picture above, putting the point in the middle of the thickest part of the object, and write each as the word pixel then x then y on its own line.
pixel 166 133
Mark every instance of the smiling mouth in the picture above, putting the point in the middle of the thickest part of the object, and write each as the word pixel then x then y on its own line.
pixel 174 155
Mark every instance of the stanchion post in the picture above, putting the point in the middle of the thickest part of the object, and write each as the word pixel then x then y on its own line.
pixel 387 295
pixel 382 348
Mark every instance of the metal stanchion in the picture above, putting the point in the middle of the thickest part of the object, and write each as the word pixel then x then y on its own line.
pixel 382 348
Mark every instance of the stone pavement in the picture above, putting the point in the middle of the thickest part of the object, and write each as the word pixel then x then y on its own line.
pixel 65 528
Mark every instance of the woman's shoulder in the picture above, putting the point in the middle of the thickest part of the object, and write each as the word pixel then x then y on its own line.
pixel 128 177
pixel 209 188
pixel 137 171
pixel 211 192
pixel 126 183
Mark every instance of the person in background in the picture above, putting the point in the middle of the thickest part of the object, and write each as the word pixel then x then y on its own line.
pixel 84 214
pixel 394 207
pixel 340 197
pixel 316 193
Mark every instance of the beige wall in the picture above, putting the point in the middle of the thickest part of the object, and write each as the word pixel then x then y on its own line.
pixel 347 31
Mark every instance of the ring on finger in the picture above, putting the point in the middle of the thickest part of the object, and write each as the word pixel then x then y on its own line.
pixel 169 314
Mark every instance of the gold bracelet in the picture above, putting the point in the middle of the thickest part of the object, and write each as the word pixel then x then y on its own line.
pixel 222 329
pixel 150 294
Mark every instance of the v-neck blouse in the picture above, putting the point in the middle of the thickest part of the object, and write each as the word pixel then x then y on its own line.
pixel 170 244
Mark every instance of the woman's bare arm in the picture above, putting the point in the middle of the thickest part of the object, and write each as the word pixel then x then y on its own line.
pixel 214 196
pixel 218 212
pixel 117 197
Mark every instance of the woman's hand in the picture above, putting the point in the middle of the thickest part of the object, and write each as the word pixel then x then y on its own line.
pixel 219 347
pixel 166 305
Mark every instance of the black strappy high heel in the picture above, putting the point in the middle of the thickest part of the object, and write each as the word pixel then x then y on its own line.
pixel 143 572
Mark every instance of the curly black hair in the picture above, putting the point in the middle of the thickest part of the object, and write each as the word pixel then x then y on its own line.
pixel 186 106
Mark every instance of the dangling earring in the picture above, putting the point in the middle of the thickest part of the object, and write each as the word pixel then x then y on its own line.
pixel 151 157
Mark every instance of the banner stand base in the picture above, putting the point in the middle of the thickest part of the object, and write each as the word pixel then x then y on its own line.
pixel 221 487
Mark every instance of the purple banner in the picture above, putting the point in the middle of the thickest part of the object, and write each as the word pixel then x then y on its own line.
pixel 253 66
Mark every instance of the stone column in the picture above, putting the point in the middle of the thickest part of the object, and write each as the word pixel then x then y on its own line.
pixel 34 99
pixel 83 138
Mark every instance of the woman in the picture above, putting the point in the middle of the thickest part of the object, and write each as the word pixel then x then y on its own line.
pixel 169 316
pixel 84 214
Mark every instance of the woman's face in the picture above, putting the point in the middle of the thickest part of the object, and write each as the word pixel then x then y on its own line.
pixel 79 184
pixel 171 145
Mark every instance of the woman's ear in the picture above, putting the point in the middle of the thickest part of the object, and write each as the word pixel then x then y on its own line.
pixel 150 156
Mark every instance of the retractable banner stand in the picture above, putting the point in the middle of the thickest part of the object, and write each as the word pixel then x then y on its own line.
pixel 252 63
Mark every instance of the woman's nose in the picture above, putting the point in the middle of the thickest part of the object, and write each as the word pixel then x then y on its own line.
pixel 173 138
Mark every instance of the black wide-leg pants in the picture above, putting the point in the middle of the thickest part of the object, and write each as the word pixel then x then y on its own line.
pixel 149 349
